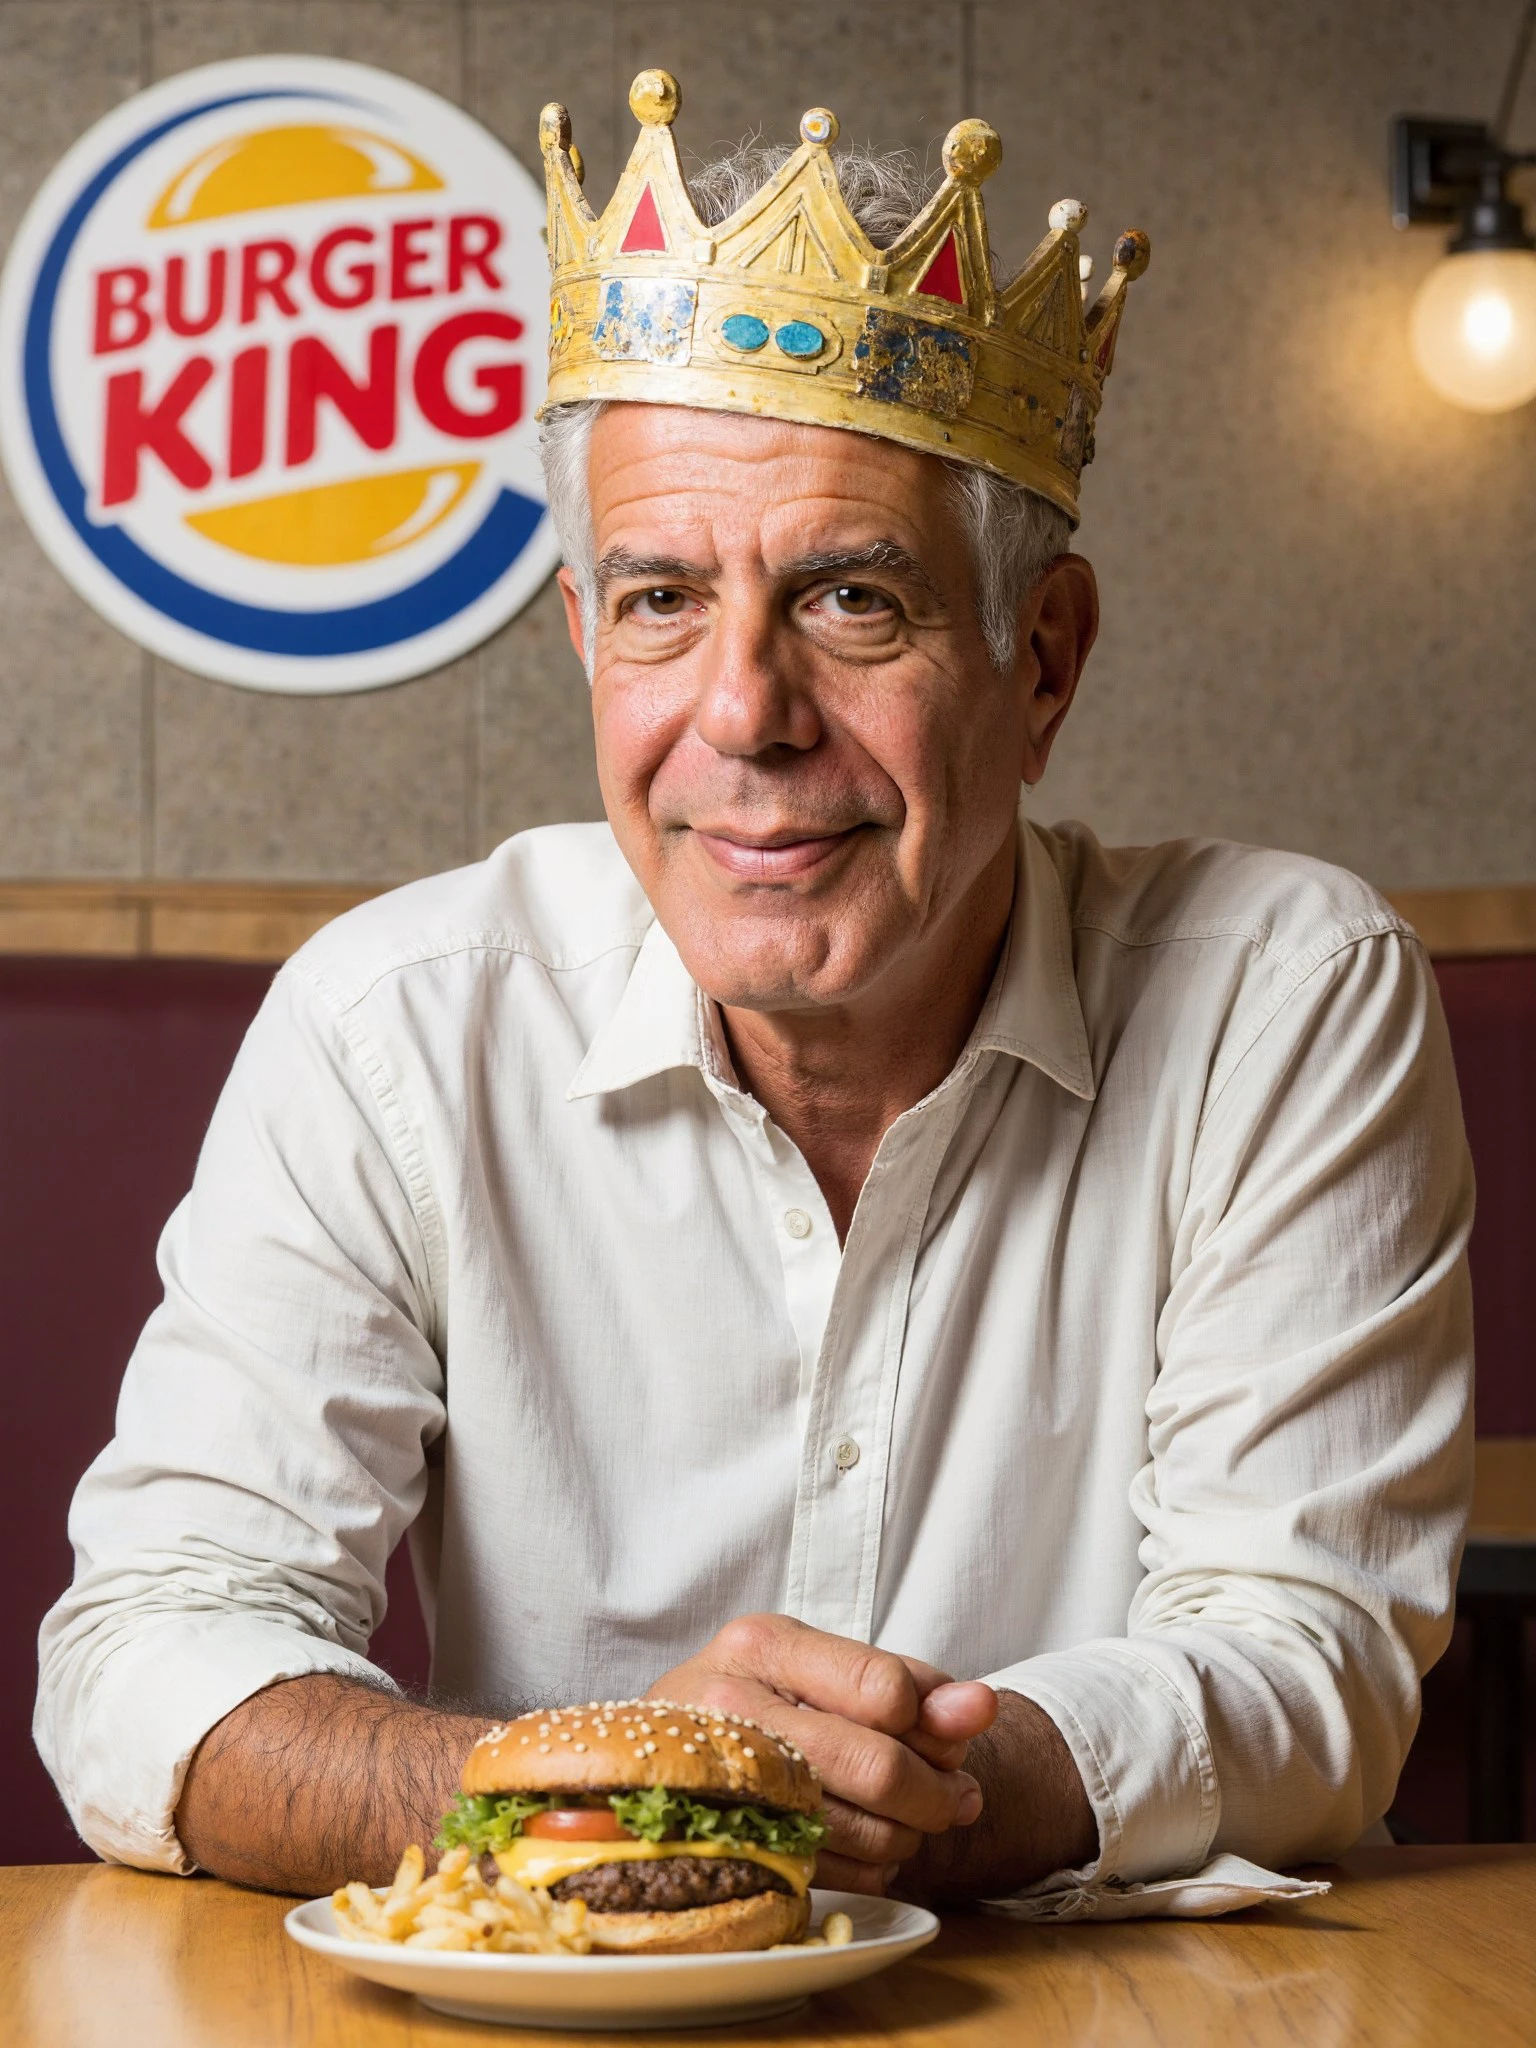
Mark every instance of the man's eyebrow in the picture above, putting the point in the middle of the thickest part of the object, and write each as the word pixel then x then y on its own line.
pixel 849 564
pixel 887 556
pixel 621 564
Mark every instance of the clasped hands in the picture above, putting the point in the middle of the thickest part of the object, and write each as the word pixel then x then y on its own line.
pixel 888 1734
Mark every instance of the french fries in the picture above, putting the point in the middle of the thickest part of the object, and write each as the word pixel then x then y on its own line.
pixel 456 1909
pixel 836 1931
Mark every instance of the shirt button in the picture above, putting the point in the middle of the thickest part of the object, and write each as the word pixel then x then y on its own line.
pixel 846 1454
pixel 797 1223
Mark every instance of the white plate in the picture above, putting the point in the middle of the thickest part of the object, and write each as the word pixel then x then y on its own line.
pixel 628 1991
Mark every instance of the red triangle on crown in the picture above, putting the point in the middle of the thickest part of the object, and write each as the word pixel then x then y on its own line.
pixel 645 230
pixel 941 280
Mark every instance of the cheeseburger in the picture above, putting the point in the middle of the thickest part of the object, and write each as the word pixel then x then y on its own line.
pixel 683 1830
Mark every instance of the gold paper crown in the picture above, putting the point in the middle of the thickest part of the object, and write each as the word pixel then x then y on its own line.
pixel 788 309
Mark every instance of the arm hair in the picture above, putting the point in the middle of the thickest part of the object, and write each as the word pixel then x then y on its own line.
pixel 1037 1818
pixel 318 1780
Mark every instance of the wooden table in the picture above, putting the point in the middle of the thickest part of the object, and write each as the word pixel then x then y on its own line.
pixel 1430 1946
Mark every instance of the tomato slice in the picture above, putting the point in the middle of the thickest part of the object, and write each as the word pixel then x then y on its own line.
pixel 576 1824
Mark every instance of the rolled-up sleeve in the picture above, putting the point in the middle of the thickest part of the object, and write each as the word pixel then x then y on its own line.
pixel 1309 1436
pixel 272 1432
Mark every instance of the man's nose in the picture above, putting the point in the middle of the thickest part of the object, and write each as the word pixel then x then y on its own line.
pixel 750 699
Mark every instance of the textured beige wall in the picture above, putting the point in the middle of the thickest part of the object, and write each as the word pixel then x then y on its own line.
pixel 1319 580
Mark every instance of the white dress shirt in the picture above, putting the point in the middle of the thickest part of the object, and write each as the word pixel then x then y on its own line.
pixel 1141 1386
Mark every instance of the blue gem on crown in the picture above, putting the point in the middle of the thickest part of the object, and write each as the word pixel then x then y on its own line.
pixel 744 331
pixel 799 338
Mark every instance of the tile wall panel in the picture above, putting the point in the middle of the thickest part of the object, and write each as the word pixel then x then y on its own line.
pixel 535 764
pixel 890 73
pixel 63 64
pixel 520 54
pixel 421 39
pixel 1296 539
pixel 536 758
pixel 369 787
pixel 72 740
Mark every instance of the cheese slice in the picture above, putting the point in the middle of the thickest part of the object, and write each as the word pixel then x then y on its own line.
pixel 541 1863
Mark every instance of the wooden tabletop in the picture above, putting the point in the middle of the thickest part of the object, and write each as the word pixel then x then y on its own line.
pixel 1412 1946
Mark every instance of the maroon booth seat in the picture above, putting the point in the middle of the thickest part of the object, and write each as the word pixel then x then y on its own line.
pixel 108 1073
pixel 109 1070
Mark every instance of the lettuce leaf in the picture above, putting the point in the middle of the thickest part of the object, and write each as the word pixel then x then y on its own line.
pixel 484 1821
pixel 490 1820
pixel 659 1815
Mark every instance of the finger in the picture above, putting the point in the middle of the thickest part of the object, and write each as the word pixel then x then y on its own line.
pixel 726 1694
pixel 859 1765
pixel 866 1837
pixel 843 1874
pixel 957 1712
pixel 831 1673
pixel 926 1676
pixel 944 1756
pixel 880 1774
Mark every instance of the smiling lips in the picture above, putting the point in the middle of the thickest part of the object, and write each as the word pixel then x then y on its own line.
pixel 773 857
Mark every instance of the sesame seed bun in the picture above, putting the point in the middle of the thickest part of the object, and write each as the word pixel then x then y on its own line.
pixel 629 1745
pixel 757 1922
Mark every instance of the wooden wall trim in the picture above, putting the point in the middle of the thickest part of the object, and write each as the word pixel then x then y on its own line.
pixel 1455 921
pixel 266 921
pixel 258 921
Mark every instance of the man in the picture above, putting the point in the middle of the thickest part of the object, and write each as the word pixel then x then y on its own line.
pixel 821 1237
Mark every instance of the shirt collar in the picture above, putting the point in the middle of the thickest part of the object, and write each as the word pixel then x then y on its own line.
pixel 1032 1011
pixel 663 1020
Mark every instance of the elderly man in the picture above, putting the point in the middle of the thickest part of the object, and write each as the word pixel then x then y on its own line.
pixel 987 1305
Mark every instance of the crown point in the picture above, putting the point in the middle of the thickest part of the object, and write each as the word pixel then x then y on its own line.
pixel 819 125
pixel 554 128
pixel 1067 216
pixel 1133 252
pixel 972 151
pixel 654 99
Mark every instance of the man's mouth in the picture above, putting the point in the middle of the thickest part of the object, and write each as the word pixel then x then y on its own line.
pixel 785 856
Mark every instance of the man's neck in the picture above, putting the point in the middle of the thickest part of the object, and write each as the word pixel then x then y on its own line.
pixel 835 1080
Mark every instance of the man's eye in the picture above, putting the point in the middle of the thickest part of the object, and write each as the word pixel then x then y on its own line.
pixel 660 603
pixel 856 601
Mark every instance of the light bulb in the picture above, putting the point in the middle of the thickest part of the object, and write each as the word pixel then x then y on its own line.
pixel 1474 328
pixel 1487 322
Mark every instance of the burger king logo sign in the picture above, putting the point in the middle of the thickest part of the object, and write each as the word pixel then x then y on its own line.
pixel 272 338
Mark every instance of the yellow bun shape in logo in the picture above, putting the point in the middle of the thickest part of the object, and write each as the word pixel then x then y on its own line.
pixel 285 167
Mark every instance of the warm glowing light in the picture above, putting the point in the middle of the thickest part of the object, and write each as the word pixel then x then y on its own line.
pixel 1488 323
pixel 1474 328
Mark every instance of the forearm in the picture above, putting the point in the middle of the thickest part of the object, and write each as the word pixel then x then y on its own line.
pixel 1036 1817
pixel 319 1780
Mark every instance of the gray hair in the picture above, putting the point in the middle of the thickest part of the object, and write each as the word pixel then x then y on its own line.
pixel 1012 533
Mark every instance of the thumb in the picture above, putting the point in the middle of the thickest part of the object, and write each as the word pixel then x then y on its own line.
pixel 958 1712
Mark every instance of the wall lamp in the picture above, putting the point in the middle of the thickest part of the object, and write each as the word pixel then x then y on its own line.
pixel 1473 326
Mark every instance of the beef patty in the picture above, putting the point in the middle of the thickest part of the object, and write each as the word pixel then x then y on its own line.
pixel 668 1885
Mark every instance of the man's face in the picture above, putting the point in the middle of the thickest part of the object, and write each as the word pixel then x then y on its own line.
pixel 805 752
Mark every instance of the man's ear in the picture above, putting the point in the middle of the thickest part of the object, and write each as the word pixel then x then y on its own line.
pixel 572 598
pixel 1057 628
